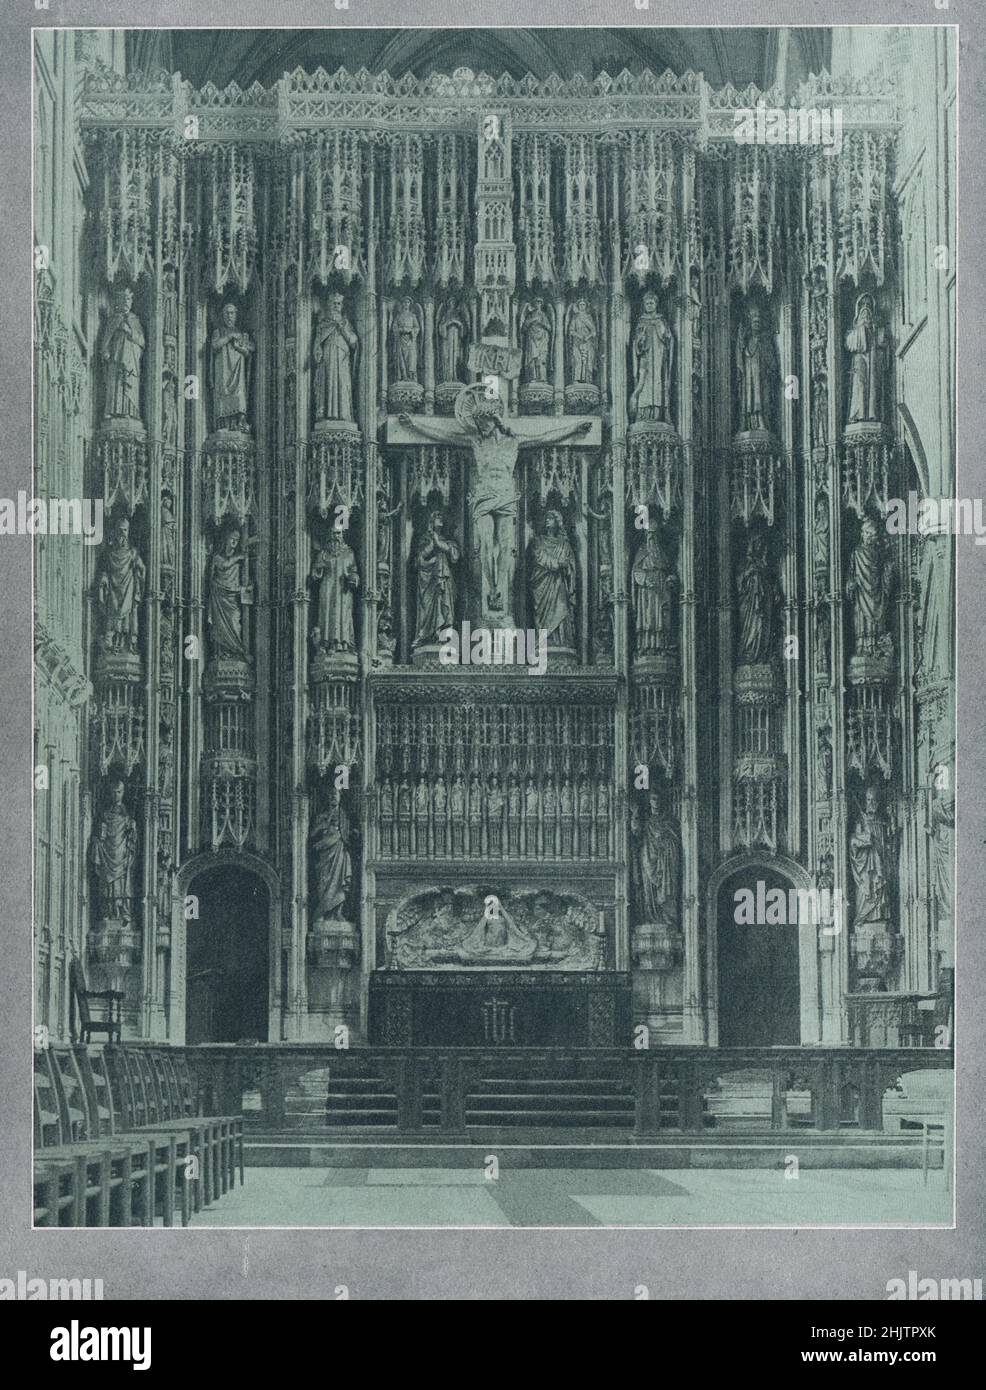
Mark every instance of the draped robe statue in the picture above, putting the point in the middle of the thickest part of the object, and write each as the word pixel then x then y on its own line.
pixel 335 343
pixel 437 554
pixel 334 570
pixel 122 353
pixel 535 330
pixel 868 586
pixel 451 339
pixel 333 864
pixel 113 853
pixel 758 603
pixel 227 590
pixel 866 341
pixel 553 583
pixel 942 828
pixel 120 591
pixel 231 350
pixel 654 584
pixel 756 370
pixel 582 333
pixel 869 850
pixel 653 357
pixel 657 865
pixel 405 332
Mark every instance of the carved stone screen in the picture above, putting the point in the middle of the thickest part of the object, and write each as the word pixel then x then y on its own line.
pixel 499 570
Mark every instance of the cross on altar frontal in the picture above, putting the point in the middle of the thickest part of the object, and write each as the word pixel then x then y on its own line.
pixel 495 444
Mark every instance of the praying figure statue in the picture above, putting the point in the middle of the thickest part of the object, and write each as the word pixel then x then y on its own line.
pixel 759 601
pixel 553 583
pixel 657 864
pixel 333 863
pixel 451 327
pixel 228 592
pixel 868 587
pixel 654 585
pixel 653 359
pixel 112 854
pixel 406 330
pixel 869 851
pixel 122 354
pixel 437 554
pixel 334 571
pixel 867 342
pixel 231 350
pixel 535 332
pixel 120 591
pixel 582 333
pixel 756 370
pixel 335 344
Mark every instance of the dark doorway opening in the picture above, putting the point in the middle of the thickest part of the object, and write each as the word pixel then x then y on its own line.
pixel 759 969
pixel 227 957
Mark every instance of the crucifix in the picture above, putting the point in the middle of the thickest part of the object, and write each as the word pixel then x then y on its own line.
pixel 493 495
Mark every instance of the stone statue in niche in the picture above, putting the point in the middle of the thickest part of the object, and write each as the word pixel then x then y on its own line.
pixel 866 342
pixel 231 349
pixel 582 335
pixel 536 330
pixel 452 328
pixel 122 354
pixel 335 345
pixel 756 372
pixel 820 543
pixel 434 565
pixel 759 603
pixel 655 585
pixel 169 532
pixel 169 412
pixel 334 572
pixel 657 864
pixel 406 332
pixel 333 862
pixel 868 587
pixel 229 593
pixel 869 852
pixel 553 583
pixel 112 854
pixel 653 360
pixel 120 591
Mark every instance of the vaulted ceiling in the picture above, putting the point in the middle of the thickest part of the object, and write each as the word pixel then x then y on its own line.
pixel 736 55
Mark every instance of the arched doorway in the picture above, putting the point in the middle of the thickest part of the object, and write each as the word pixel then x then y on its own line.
pixel 227 980
pixel 759 988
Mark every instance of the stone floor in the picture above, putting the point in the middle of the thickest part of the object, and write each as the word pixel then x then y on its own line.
pixel 581 1197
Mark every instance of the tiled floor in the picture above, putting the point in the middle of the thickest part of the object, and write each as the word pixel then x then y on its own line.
pixel 580 1197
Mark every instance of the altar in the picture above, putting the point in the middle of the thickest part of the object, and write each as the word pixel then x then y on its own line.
pixel 503 1008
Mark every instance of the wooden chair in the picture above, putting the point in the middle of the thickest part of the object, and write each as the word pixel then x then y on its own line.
pixel 112 999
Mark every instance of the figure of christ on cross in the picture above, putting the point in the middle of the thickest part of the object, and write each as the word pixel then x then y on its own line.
pixel 493 496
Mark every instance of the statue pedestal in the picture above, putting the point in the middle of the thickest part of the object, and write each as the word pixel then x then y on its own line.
pixel 874 669
pixel 324 430
pixel 122 427
pixel 428 655
pixel 581 397
pixel 662 428
pixel 874 951
pixel 446 394
pixel 113 950
pixel 228 678
pixel 333 952
pixel 657 946
pixel 327 664
pixel 403 396
pixel 537 396
pixel 755 685
pixel 119 666
pixel 664 665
